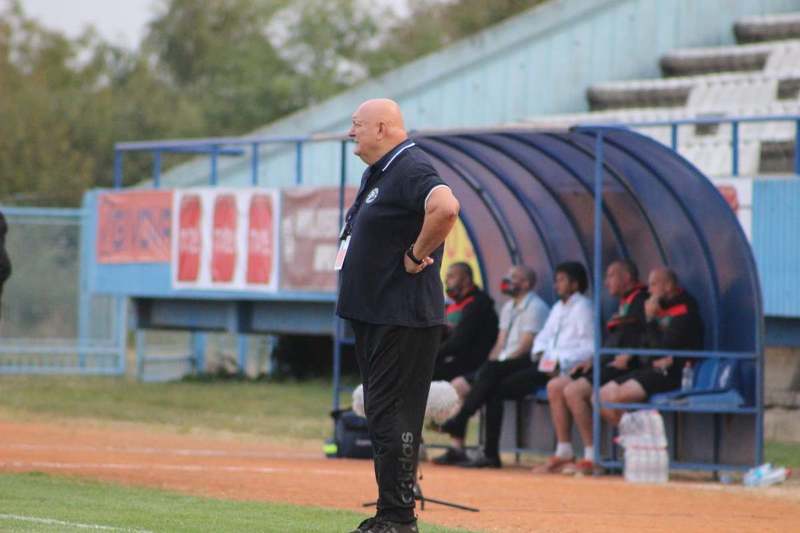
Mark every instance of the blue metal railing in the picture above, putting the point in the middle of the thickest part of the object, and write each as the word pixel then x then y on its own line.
pixel 713 121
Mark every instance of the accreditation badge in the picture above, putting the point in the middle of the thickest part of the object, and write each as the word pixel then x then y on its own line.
pixel 342 253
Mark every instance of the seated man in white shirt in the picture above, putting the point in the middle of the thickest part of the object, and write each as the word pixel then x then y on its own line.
pixel 521 319
pixel 566 341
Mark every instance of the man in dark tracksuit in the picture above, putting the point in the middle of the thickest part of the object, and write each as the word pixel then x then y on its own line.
pixel 390 289
pixel 673 323
pixel 5 263
pixel 471 326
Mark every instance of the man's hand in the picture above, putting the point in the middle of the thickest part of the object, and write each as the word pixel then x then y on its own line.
pixel 651 307
pixel 620 362
pixel 413 268
pixel 662 363
pixel 585 366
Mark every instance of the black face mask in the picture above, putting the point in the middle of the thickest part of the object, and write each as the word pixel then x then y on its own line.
pixel 509 289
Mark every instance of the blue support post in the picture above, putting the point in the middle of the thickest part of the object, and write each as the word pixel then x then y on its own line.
pixel 156 169
pixel 117 169
pixel 797 147
pixel 673 130
pixel 298 164
pixel 241 353
pixel 121 303
pixel 214 157
pixel 759 458
pixel 337 322
pixel 141 353
pixel 198 341
pixel 86 257
pixel 735 148
pixel 254 166
pixel 596 289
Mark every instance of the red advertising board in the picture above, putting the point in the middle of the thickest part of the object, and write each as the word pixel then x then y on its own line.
pixel 223 239
pixel 260 245
pixel 134 227
pixel 190 239
pixel 309 237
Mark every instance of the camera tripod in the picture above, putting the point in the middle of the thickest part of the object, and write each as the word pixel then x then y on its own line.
pixel 421 498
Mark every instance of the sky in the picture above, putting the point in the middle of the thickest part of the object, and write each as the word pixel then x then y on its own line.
pixel 120 21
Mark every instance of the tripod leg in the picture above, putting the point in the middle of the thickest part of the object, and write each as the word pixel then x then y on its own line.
pixel 454 505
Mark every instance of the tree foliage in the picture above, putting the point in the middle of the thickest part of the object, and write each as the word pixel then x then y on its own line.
pixel 204 68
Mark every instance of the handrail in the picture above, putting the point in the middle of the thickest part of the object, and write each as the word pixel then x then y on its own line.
pixel 700 354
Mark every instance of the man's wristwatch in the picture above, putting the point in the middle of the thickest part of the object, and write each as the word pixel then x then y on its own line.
pixel 410 254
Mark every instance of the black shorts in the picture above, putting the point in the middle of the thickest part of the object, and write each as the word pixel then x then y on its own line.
pixel 654 380
pixel 607 373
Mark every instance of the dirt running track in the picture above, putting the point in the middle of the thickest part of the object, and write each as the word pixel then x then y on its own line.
pixel 511 499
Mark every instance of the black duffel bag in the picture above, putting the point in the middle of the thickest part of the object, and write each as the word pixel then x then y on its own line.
pixel 350 436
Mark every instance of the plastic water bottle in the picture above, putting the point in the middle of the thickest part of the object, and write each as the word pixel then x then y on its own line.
pixel 766 475
pixel 687 379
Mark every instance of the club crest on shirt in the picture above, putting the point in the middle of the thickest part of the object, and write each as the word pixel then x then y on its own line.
pixel 372 195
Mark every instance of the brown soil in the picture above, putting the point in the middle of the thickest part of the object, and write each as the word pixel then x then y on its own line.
pixel 511 499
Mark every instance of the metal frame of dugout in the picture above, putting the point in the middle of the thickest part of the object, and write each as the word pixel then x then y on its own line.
pixel 592 194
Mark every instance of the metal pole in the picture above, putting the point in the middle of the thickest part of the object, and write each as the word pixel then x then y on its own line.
pixel 797 147
pixel 337 322
pixel 242 353
pixel 117 169
pixel 735 147
pixel 214 157
pixel 759 459
pixel 254 166
pixel 298 164
pixel 674 136
pixel 598 308
pixel 157 169
pixel 122 333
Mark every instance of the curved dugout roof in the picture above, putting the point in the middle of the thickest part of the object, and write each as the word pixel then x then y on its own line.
pixel 528 197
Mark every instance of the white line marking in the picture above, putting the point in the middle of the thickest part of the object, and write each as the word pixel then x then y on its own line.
pixel 78 525
pixel 187 452
pixel 180 468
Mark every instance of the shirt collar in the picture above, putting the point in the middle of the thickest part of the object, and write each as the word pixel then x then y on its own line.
pixel 383 163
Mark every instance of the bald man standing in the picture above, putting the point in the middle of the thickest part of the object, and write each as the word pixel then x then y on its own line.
pixel 391 291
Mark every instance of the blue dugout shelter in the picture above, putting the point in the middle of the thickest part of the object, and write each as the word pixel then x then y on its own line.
pixel 595 194
pixel 592 194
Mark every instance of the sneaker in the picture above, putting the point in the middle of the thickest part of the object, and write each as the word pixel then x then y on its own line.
pixel 482 462
pixel 452 456
pixel 584 467
pixel 384 526
pixel 554 465
pixel 365 526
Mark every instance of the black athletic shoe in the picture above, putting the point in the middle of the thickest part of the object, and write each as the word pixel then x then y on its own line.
pixel 364 527
pixel 384 526
pixel 482 462
pixel 452 456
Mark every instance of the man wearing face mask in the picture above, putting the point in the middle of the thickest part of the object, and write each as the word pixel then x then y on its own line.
pixel 521 318
pixel 471 326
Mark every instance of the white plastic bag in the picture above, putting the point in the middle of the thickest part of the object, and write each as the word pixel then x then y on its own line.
pixel 642 435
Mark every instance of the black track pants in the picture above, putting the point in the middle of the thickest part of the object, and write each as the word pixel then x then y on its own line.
pixel 396 366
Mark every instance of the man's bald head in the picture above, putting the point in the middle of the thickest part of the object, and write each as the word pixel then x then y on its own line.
pixel 377 128
pixel 662 282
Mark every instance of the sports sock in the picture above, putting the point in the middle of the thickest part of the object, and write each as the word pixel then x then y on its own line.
pixel 564 450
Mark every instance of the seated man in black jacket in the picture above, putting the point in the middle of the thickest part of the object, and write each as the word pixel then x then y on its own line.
pixel 673 323
pixel 471 326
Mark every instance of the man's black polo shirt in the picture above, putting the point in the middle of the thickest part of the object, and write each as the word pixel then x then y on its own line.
pixel 384 221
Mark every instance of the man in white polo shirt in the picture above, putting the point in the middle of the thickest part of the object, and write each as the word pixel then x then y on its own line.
pixel 521 319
